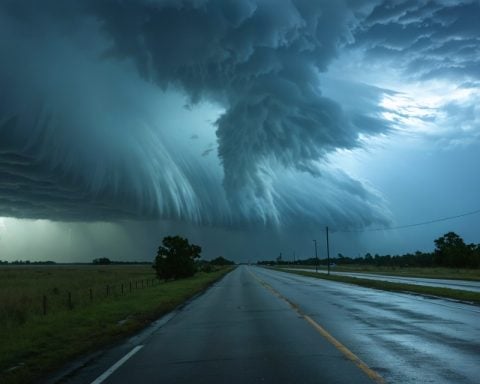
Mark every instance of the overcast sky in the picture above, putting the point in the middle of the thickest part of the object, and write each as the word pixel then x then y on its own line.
pixel 247 126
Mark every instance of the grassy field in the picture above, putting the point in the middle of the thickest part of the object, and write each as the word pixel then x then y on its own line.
pixel 470 297
pixel 33 344
pixel 433 273
pixel 23 289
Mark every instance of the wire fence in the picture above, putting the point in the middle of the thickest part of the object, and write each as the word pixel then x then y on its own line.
pixel 17 309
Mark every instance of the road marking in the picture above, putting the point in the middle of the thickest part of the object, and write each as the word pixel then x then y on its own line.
pixel 349 354
pixel 342 348
pixel 114 367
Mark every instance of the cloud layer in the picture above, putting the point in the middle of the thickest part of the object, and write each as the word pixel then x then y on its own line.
pixel 426 39
pixel 87 130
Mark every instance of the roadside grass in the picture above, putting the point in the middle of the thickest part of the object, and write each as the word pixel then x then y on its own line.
pixel 22 288
pixel 427 272
pixel 41 344
pixel 466 296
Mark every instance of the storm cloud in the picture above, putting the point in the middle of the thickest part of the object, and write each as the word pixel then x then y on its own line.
pixel 426 39
pixel 87 130
pixel 245 125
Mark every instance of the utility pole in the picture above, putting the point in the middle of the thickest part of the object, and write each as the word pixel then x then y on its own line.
pixel 316 256
pixel 293 257
pixel 328 253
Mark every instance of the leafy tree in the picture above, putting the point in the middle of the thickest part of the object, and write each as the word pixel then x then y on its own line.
pixel 220 260
pixel 475 255
pixel 176 258
pixel 451 251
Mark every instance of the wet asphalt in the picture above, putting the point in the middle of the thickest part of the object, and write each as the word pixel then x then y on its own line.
pixel 463 285
pixel 251 327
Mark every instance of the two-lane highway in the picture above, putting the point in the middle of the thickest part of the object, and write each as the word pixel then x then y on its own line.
pixel 259 325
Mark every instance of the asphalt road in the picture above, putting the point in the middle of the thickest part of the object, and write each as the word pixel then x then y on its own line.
pixel 263 326
pixel 463 285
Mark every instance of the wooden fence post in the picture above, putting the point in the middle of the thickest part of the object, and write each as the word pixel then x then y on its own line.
pixel 44 305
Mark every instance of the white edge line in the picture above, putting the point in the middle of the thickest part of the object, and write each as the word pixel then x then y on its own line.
pixel 117 365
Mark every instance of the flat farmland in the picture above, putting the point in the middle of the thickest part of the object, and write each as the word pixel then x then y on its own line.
pixel 29 291
pixel 51 314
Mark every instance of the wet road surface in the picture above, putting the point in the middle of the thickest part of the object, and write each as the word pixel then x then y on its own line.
pixel 406 338
pixel 264 326
pixel 463 285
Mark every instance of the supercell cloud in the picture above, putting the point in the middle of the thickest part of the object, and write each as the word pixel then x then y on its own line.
pixel 87 134
pixel 211 112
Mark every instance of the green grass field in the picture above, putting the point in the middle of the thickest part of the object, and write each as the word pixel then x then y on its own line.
pixel 433 273
pixel 23 288
pixel 33 344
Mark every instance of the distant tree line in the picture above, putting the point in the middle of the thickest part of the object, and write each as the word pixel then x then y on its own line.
pixel 26 262
pixel 107 261
pixel 450 251
pixel 102 261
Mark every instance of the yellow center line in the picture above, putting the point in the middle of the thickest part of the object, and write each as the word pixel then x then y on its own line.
pixel 342 348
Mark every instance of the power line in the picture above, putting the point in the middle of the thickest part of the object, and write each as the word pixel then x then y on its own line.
pixel 411 225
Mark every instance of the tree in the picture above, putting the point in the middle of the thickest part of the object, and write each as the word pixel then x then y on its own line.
pixel 220 260
pixel 101 261
pixel 176 258
pixel 368 258
pixel 451 251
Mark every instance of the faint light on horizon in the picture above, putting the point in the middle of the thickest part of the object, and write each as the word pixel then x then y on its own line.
pixel 3 226
pixel 421 108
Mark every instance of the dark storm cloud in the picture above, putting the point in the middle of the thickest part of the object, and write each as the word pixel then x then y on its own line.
pixel 78 135
pixel 427 39
pixel 259 59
